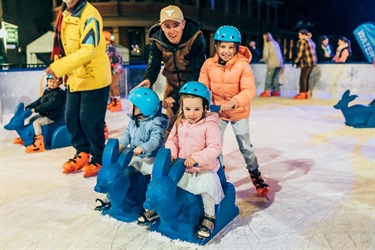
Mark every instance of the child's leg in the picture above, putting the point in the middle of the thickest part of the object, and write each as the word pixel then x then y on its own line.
pixel 223 125
pixel 241 130
pixel 208 204
pixel 39 122
pixel 208 223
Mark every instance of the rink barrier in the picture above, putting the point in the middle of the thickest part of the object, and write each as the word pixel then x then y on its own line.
pixel 328 81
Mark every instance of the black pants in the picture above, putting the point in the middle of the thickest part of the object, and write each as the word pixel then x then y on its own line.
pixel 84 117
pixel 304 79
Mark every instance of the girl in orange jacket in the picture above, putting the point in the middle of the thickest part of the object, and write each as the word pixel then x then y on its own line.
pixel 229 77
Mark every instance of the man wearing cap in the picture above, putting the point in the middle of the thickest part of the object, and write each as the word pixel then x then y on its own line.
pixel 179 43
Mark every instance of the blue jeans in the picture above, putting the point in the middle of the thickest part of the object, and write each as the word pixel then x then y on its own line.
pixel 241 130
pixel 272 79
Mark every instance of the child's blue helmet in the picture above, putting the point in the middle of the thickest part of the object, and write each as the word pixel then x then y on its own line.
pixel 227 33
pixel 48 76
pixel 146 100
pixel 197 89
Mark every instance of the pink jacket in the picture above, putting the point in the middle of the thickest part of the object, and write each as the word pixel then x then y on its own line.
pixel 234 81
pixel 201 140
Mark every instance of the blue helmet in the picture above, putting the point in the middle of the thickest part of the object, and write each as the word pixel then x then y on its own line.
pixel 48 76
pixel 146 100
pixel 227 33
pixel 197 89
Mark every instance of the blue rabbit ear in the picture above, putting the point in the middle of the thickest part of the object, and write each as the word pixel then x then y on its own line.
pixel 346 93
pixel 20 108
pixel 162 163
pixel 111 151
pixel 177 170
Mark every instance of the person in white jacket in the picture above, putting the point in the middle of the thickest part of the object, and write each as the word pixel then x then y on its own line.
pixel 273 58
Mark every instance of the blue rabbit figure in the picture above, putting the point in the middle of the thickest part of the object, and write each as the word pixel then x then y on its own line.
pixel 26 132
pixel 124 186
pixel 180 212
pixel 357 116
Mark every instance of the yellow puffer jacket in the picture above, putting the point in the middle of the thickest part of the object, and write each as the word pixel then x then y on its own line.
pixel 234 81
pixel 86 63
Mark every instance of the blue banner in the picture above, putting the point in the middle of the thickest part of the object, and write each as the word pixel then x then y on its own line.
pixel 365 35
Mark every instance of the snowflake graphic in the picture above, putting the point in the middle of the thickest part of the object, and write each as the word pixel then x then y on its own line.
pixel 352 73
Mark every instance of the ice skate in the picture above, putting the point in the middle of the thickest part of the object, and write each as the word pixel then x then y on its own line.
pixel 18 140
pixel 259 183
pixel 37 146
pixel 75 164
pixel 91 169
pixel 110 104
pixel 117 106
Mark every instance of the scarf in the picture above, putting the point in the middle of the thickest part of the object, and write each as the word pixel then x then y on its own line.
pixel 341 48
pixel 58 49
pixel 327 51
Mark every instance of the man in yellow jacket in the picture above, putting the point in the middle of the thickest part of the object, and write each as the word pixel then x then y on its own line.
pixel 79 54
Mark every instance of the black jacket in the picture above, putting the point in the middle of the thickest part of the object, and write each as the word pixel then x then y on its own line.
pixel 50 104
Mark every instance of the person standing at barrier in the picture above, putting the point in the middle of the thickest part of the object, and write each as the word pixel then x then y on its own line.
pixel 196 137
pixel 49 108
pixel 306 60
pixel 179 44
pixel 79 53
pixel 229 76
pixel 343 51
pixel 116 70
pixel 273 58
pixel 324 50
pixel 255 53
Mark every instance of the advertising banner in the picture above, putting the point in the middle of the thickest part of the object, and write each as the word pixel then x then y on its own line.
pixel 365 35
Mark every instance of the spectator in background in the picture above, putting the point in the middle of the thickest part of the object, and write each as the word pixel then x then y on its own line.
pixel 116 69
pixel 306 60
pixel 256 55
pixel 273 58
pixel 324 50
pixel 343 51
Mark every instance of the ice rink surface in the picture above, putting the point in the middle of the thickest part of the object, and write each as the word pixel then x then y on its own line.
pixel 321 175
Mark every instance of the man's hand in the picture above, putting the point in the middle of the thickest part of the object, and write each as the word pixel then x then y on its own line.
pixel 168 102
pixel 50 72
pixel 145 83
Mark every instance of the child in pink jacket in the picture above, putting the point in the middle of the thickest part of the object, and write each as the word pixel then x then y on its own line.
pixel 196 137
pixel 229 77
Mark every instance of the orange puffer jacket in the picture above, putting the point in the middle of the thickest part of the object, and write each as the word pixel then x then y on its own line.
pixel 234 81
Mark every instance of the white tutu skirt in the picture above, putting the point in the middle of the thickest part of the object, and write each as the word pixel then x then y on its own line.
pixel 203 182
pixel 143 165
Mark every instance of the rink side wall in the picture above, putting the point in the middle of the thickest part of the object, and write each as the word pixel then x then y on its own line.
pixel 328 81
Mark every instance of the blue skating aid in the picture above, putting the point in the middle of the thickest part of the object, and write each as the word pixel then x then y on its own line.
pixel 180 211
pixel 357 116
pixel 55 134
pixel 123 184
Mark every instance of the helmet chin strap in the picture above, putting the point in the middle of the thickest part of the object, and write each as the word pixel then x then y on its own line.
pixel 136 117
